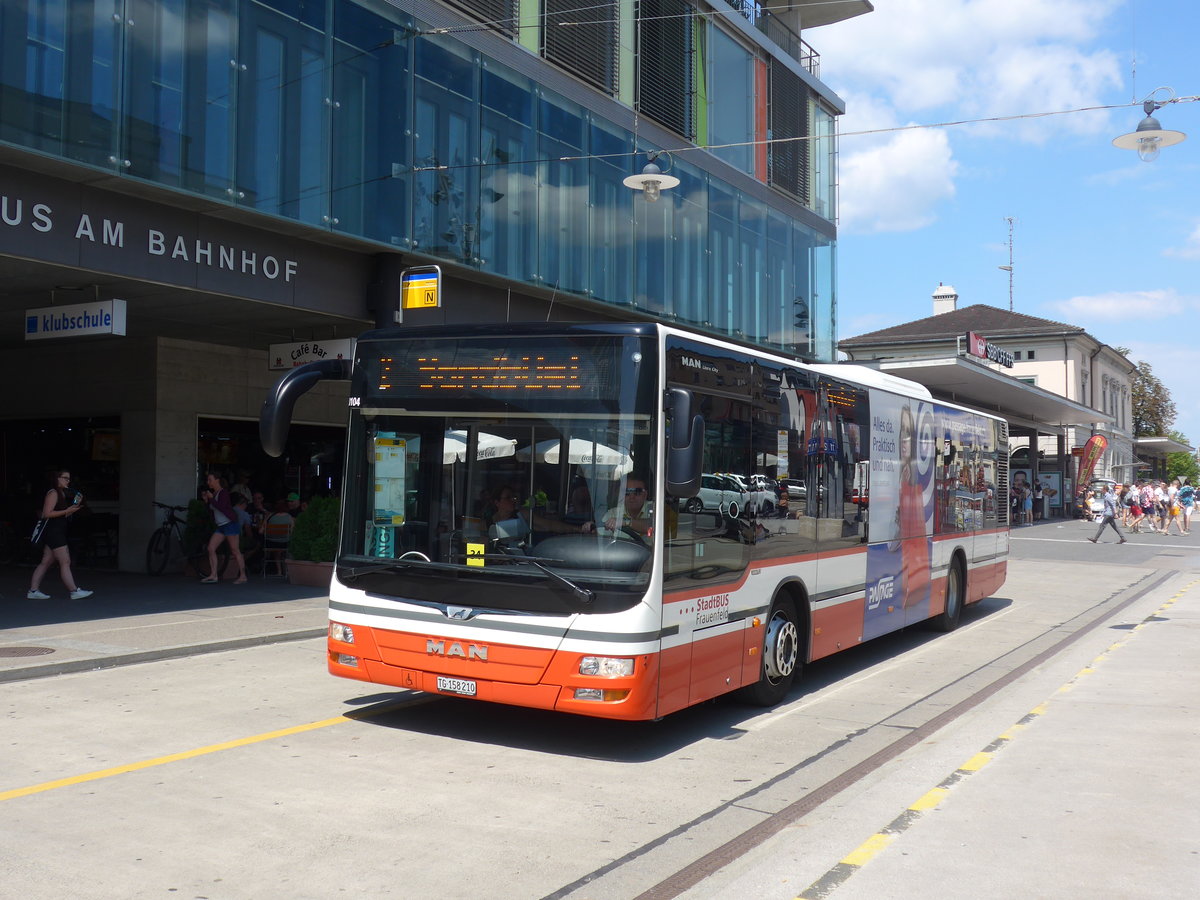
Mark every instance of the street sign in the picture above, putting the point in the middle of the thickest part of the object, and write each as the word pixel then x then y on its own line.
pixel 421 288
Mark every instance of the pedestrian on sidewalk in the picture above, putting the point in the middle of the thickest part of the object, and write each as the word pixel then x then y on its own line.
pixel 1149 517
pixel 1187 501
pixel 58 506
pixel 228 528
pixel 1135 508
pixel 1160 506
pixel 1110 515
pixel 1174 510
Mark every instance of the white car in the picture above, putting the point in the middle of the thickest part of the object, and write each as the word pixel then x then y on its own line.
pixel 796 489
pixel 764 495
pixel 719 492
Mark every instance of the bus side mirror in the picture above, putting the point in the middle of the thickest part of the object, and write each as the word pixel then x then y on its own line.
pixel 685 452
pixel 276 416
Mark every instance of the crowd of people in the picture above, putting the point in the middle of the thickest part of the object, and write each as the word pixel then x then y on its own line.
pixel 240 515
pixel 1027 500
pixel 1151 506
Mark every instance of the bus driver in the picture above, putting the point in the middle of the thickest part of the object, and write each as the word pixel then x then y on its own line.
pixel 632 514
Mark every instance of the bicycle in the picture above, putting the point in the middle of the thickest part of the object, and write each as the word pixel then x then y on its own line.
pixel 167 541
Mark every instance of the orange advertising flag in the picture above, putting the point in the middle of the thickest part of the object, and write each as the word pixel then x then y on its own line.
pixel 1092 451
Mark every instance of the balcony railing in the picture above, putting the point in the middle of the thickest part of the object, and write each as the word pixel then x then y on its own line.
pixel 783 36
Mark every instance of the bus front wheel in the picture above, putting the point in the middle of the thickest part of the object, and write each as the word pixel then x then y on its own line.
pixel 781 656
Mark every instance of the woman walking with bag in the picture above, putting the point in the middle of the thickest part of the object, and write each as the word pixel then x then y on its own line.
pixel 1174 510
pixel 228 528
pixel 56 508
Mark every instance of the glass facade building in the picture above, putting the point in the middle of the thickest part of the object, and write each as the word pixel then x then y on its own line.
pixel 487 137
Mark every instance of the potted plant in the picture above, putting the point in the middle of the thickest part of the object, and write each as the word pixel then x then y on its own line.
pixel 313 544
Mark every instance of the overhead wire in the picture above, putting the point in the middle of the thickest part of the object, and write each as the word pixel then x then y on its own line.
pixel 772 141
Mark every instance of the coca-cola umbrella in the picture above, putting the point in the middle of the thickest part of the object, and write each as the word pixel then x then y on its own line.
pixel 489 446
pixel 581 452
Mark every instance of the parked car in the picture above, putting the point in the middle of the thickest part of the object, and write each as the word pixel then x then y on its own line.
pixel 795 487
pixel 719 492
pixel 762 493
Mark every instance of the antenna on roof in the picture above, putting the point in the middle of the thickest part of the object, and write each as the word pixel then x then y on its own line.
pixel 1009 268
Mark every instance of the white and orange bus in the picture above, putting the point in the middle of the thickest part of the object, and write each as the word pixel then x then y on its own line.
pixel 496 544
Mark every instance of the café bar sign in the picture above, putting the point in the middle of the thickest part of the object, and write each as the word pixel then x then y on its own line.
pixel 77 320
pixel 977 345
pixel 288 356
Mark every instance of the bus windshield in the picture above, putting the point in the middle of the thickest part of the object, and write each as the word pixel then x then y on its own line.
pixel 495 473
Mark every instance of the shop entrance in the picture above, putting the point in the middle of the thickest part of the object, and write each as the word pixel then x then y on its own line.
pixel 311 464
pixel 31 450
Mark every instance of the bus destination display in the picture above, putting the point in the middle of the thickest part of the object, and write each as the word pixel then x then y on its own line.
pixel 474 369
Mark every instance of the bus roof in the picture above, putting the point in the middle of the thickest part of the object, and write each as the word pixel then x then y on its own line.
pixel 492 328
pixel 868 377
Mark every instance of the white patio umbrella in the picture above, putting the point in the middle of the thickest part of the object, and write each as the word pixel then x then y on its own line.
pixel 582 452
pixel 490 446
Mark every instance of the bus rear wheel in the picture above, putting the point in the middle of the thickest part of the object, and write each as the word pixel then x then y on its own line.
pixel 781 656
pixel 956 589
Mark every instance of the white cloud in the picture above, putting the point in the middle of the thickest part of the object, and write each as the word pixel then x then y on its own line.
pixel 1190 248
pixel 994 56
pixel 931 61
pixel 1125 306
pixel 897 185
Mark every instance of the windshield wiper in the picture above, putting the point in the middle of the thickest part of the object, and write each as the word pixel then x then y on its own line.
pixel 584 595
pixel 371 564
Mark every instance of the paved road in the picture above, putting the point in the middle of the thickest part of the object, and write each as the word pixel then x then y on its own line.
pixel 1078 778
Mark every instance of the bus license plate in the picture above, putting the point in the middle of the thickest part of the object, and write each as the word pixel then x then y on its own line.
pixel 456 686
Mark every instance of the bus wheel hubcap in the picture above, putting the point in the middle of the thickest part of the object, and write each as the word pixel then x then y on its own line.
pixel 783 644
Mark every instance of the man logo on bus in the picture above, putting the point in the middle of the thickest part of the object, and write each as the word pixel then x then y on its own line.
pixel 455 649
pixel 883 589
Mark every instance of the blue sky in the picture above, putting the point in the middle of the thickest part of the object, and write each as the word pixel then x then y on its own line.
pixel 1101 239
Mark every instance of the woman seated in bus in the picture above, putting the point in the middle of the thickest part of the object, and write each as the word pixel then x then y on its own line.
pixel 579 505
pixel 504 521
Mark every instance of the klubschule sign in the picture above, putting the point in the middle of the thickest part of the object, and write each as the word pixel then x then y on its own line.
pixel 59 222
pixel 76 320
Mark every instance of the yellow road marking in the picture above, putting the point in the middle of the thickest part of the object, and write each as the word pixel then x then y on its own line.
pixel 169 758
pixel 976 762
pixel 211 748
pixel 930 800
pixel 868 849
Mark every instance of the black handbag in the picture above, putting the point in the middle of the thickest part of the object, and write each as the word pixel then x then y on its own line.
pixel 38 530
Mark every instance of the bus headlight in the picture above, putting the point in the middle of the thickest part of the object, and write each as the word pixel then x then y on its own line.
pixel 606 666
pixel 343 633
pixel 344 660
